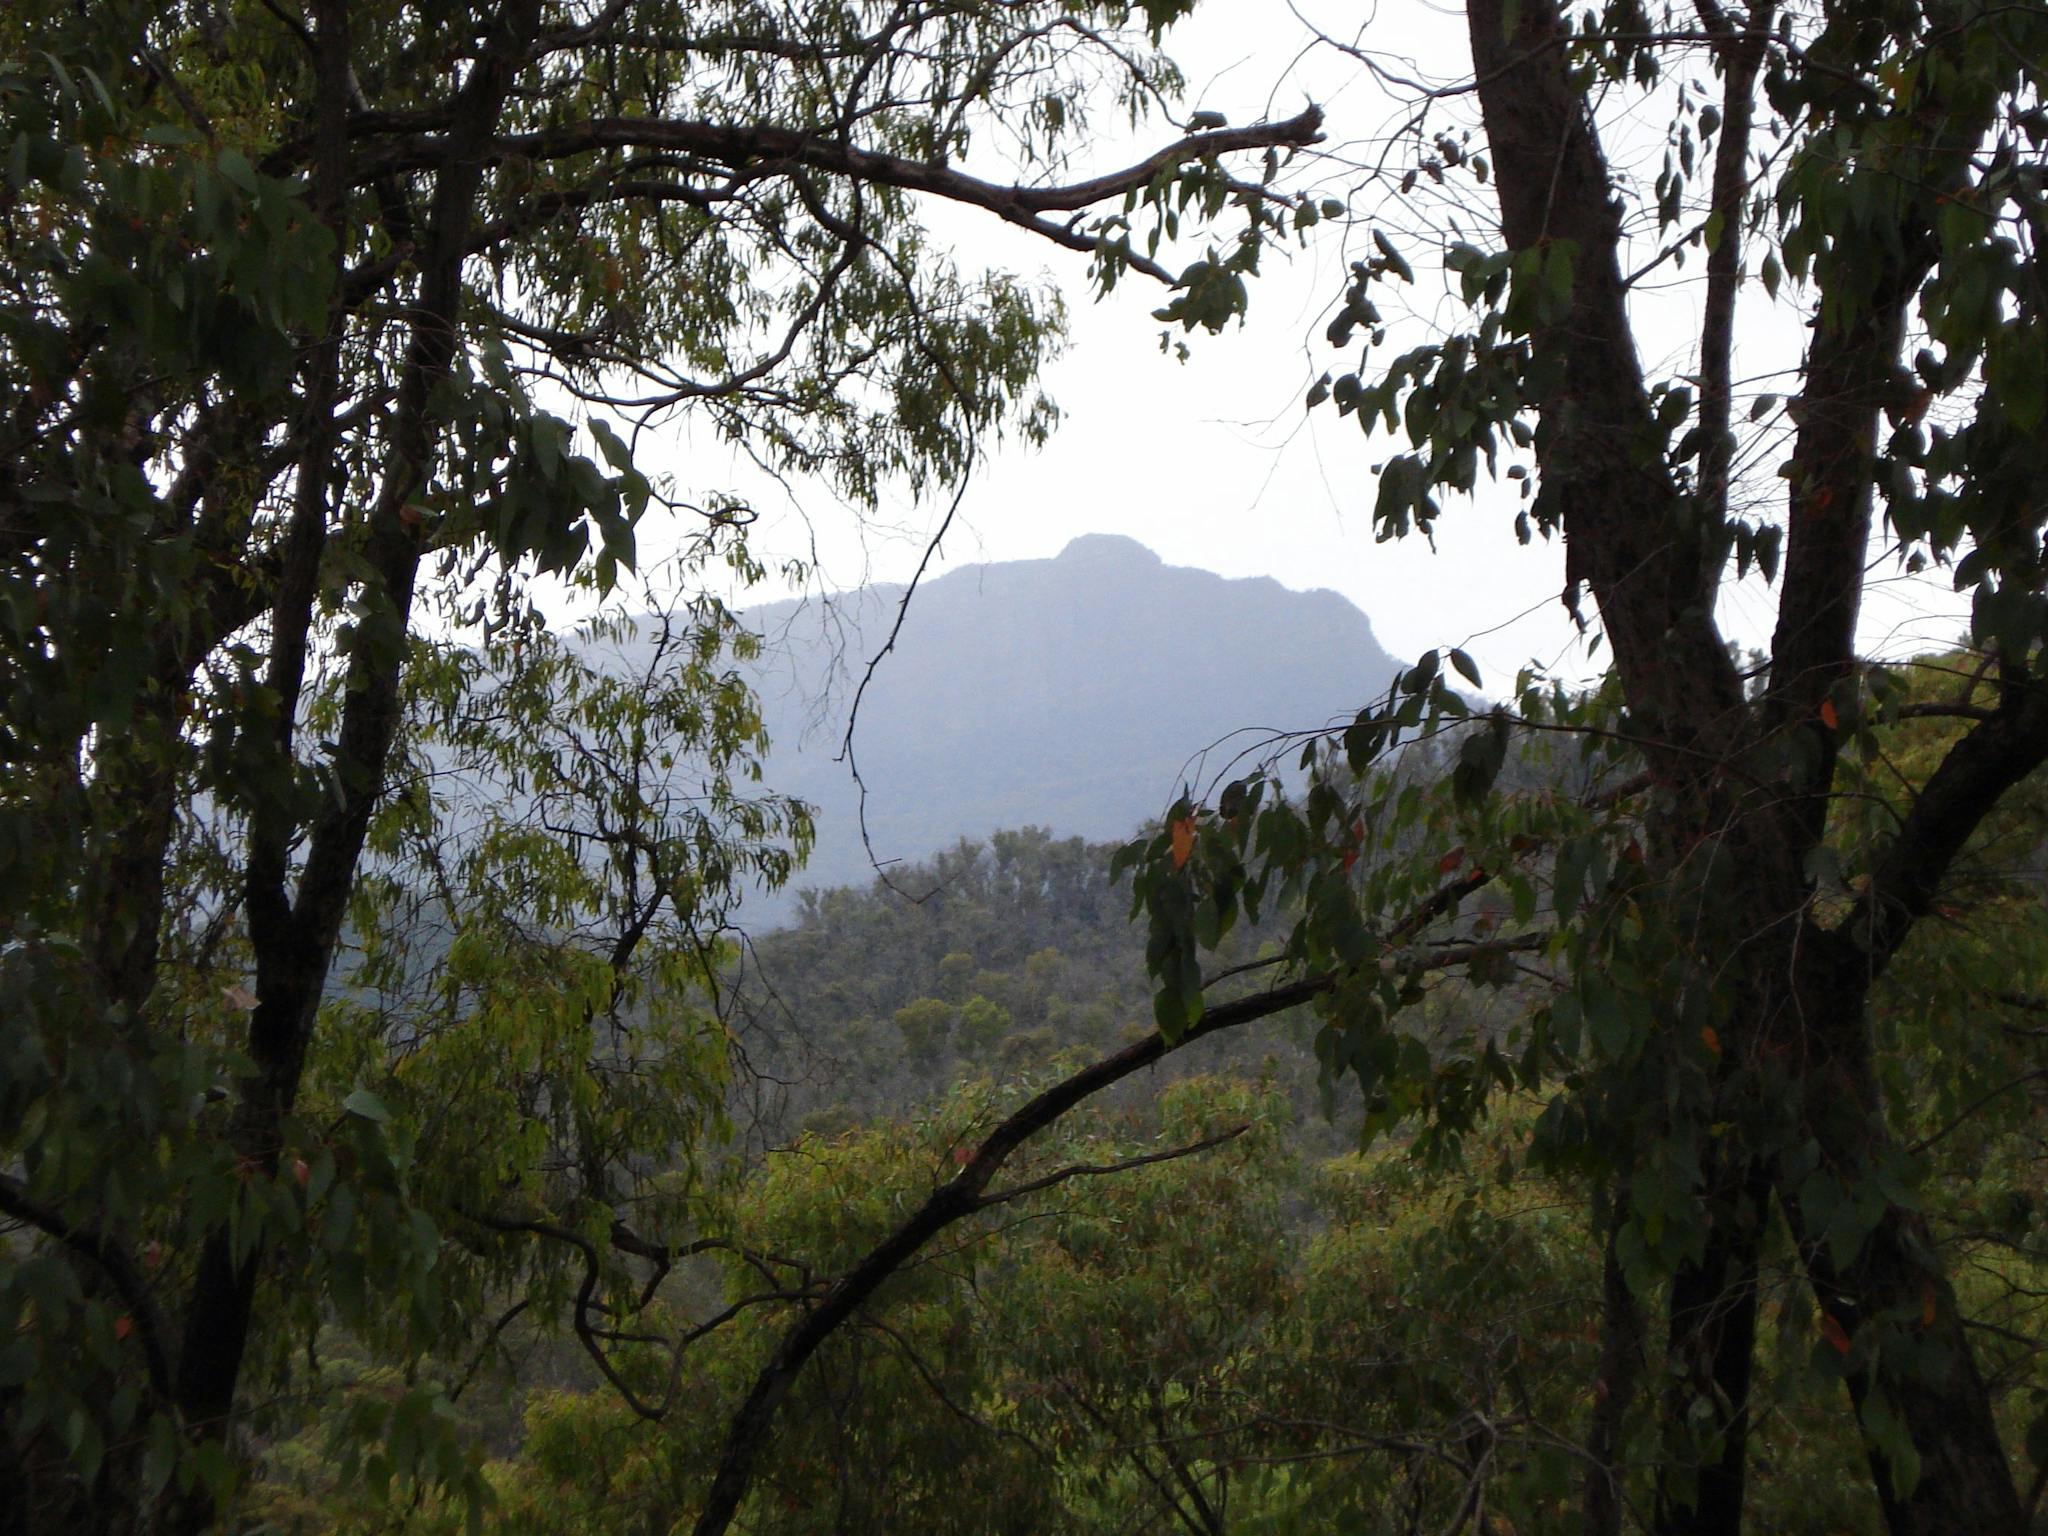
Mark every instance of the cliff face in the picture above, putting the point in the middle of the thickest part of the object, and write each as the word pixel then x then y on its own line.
pixel 1076 693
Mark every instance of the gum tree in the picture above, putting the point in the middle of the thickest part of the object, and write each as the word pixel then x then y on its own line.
pixel 322 333
pixel 1734 865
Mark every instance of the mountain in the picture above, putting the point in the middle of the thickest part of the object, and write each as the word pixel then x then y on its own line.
pixel 1075 693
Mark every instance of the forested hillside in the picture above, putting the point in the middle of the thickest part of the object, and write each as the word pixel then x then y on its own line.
pixel 1207 1310
pixel 1020 955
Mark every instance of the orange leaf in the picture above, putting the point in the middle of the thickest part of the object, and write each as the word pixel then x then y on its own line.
pixel 1355 847
pixel 1451 860
pixel 301 1172
pixel 1183 832
pixel 123 1326
pixel 1834 1333
pixel 1927 1307
pixel 1711 1039
pixel 1828 717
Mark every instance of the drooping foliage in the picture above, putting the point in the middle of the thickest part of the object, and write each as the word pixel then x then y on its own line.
pixel 361 938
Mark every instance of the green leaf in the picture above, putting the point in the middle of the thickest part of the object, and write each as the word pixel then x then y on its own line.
pixel 366 1105
pixel 1422 674
pixel 611 445
pixel 160 1455
pixel 1558 262
pixel 1393 258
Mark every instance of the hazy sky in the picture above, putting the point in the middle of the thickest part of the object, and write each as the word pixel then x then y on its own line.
pixel 1215 463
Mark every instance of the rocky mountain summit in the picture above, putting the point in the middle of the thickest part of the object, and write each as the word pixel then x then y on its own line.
pixel 1076 693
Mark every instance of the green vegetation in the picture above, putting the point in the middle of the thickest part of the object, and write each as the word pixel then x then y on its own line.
pixel 1249 1334
pixel 358 936
pixel 1613 1109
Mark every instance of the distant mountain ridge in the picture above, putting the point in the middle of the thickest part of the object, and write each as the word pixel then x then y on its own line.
pixel 1073 693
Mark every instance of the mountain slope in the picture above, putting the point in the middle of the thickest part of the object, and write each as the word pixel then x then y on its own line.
pixel 1075 693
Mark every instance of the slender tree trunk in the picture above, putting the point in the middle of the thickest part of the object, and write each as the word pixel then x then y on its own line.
pixel 295 938
pixel 1615 1388
pixel 1711 1359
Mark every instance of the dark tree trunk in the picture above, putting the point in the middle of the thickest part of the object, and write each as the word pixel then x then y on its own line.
pixel 1712 1316
pixel 1965 1482
pixel 295 937
pixel 1614 1390
pixel 1893 1291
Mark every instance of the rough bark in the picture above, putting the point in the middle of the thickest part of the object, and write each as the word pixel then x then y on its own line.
pixel 1896 1281
pixel 1603 474
pixel 1894 1287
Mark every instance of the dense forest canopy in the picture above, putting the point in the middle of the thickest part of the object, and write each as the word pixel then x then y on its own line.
pixel 381 1081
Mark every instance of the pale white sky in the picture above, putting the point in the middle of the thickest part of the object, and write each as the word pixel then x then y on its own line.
pixel 1214 463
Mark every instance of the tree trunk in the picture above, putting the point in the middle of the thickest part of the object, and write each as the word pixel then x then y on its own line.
pixel 1964 1481
pixel 1614 1390
pixel 1801 1053
pixel 1907 1359
pixel 1712 1314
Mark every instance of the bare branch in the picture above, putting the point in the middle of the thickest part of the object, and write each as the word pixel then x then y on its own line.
pixel 1989 759
pixel 1097 1170
pixel 758 146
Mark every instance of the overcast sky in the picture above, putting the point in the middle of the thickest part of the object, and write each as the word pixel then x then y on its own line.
pixel 1214 462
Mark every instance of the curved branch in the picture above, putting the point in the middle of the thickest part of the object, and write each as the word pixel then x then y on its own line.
pixel 113 1261
pixel 1989 759
pixel 962 1195
pixel 753 146
pixel 1098 1170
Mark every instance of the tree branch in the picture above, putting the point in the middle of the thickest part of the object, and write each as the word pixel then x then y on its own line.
pixel 961 1196
pixel 1096 1170
pixel 293 968
pixel 755 146
pixel 1964 1115
pixel 1852 374
pixel 1740 60
pixel 1605 477
pixel 113 1261
pixel 1989 759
